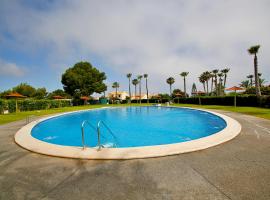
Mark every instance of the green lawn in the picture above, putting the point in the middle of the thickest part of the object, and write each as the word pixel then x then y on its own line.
pixel 23 115
pixel 258 112
pixel 255 111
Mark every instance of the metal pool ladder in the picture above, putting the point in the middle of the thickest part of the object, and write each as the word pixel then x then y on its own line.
pixel 82 127
pixel 98 132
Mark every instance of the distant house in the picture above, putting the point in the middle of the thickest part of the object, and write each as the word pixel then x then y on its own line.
pixel 143 96
pixel 198 93
pixel 154 96
pixel 123 95
pixel 120 95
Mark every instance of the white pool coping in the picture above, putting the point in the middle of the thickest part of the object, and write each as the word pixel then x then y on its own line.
pixel 24 138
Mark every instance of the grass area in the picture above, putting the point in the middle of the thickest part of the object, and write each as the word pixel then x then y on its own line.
pixel 254 111
pixel 7 118
pixel 258 112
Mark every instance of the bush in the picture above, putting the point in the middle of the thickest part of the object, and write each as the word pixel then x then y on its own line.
pixel 30 104
pixel 265 101
pixel 3 106
pixel 150 100
pixel 265 90
pixel 11 106
pixel 242 100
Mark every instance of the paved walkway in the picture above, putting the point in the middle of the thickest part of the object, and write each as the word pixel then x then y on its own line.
pixel 238 169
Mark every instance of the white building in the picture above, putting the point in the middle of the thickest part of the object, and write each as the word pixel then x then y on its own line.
pixel 120 95
pixel 143 96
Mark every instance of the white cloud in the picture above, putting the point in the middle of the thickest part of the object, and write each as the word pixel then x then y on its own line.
pixel 10 69
pixel 161 38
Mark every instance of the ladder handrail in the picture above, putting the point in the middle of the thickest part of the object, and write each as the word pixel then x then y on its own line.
pixel 82 128
pixel 98 132
pixel 106 126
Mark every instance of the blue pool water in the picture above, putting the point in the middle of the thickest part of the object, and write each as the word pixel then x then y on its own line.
pixel 131 126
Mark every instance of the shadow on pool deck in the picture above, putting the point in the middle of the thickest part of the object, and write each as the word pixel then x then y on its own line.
pixel 238 169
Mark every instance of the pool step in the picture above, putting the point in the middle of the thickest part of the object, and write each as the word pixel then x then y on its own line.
pixel 109 145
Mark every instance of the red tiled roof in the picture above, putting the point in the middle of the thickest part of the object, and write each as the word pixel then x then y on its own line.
pixel 85 98
pixel 58 97
pixel 16 95
pixel 234 88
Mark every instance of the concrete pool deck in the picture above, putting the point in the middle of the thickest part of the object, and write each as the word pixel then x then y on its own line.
pixel 238 169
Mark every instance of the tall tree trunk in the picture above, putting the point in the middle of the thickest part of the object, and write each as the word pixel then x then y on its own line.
pixel 212 79
pixel 216 85
pixel 146 84
pixel 207 87
pixel 225 78
pixel 140 89
pixel 258 91
pixel 204 87
pixel 171 90
pixel 220 85
pixel 129 88
pixel 185 90
pixel 135 92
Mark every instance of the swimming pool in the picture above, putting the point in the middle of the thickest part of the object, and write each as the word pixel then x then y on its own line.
pixel 130 127
pixel 128 131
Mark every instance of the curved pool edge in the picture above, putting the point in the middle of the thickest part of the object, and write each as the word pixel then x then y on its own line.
pixel 24 139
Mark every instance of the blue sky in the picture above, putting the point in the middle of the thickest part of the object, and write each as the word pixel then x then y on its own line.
pixel 39 40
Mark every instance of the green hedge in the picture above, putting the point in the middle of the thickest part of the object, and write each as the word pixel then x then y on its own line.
pixel 29 105
pixel 243 100
pixel 150 101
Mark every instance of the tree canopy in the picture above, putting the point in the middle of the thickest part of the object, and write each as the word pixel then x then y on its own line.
pixel 83 79
pixel 254 49
pixel 178 93
pixel 58 92
pixel 26 90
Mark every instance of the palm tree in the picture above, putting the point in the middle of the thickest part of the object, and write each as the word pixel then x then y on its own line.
pixel 135 83
pixel 220 75
pixel 244 84
pixel 184 74
pixel 115 85
pixel 207 76
pixel 146 85
pixel 139 77
pixel 250 77
pixel 253 51
pixel 202 80
pixel 261 80
pixel 225 71
pixel 170 81
pixel 215 72
pixel 129 77
pixel 212 76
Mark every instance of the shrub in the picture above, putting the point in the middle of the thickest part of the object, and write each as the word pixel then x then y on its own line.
pixel 265 90
pixel 150 100
pixel 11 105
pixel 30 104
pixel 265 101
pixel 3 106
